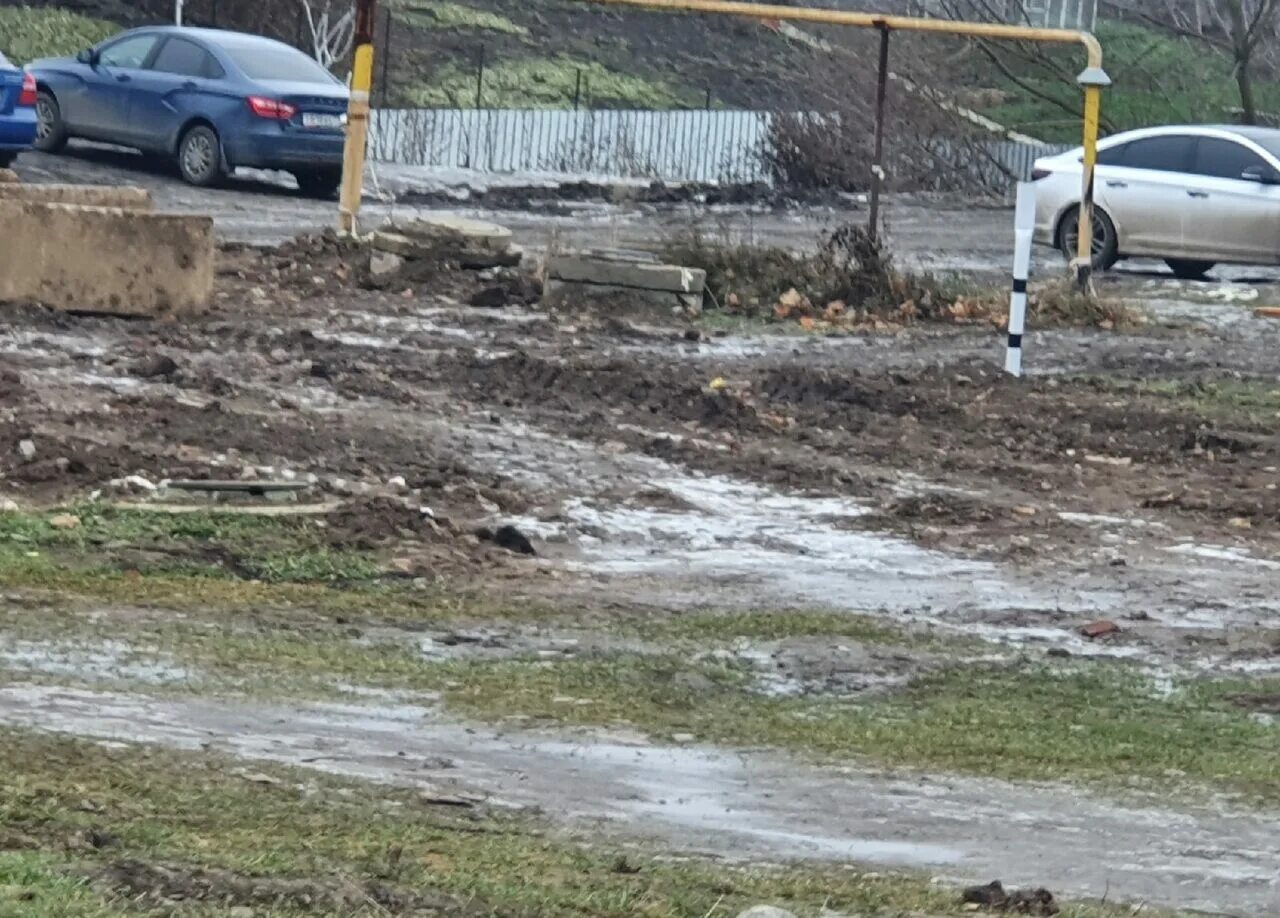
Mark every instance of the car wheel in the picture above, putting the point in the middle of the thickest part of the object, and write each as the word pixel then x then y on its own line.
pixel 1106 247
pixel 200 157
pixel 320 183
pixel 1189 268
pixel 51 133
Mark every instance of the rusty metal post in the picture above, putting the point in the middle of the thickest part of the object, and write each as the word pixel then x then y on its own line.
pixel 877 166
pixel 357 118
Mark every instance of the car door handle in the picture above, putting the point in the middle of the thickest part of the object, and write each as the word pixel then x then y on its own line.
pixel 1117 184
pixel 123 78
pixel 190 85
pixel 1198 194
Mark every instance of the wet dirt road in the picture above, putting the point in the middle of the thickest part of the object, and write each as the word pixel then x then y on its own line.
pixel 736 805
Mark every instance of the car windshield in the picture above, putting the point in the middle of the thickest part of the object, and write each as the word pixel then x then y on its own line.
pixel 272 62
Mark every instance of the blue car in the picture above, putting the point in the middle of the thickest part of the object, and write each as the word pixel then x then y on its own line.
pixel 210 99
pixel 17 111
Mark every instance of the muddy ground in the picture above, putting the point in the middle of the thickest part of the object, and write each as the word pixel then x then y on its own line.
pixel 1131 478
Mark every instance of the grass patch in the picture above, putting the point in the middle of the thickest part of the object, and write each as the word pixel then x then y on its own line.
pixel 441 14
pixel 1158 79
pixel 193 810
pixel 1250 402
pixel 545 82
pixel 27 34
pixel 777 626
pixel 1092 723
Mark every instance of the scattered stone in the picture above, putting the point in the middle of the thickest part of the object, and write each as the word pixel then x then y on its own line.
pixel 139 484
pixel 994 897
pixel 397 483
pixel 494 297
pixel 383 265
pixel 65 521
pixel 1102 628
pixel 27 450
pixel 766 911
pixel 156 365
pixel 510 538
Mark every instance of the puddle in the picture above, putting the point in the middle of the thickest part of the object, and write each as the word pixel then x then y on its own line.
pixel 103 662
pixel 739 805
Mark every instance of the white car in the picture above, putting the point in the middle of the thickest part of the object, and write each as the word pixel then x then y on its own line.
pixel 1192 196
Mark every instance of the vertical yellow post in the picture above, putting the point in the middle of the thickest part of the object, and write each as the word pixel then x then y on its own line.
pixel 1093 80
pixel 357 119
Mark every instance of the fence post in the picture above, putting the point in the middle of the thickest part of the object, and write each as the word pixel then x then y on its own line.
pixel 480 81
pixel 577 91
pixel 708 98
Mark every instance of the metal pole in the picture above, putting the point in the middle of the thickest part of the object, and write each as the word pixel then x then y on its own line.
pixel 357 118
pixel 1093 80
pixel 877 167
pixel 480 81
pixel 177 12
pixel 577 91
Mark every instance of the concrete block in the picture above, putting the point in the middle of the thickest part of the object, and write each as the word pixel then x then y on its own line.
pixel 476 233
pixel 9 177
pixel 585 269
pixel 569 294
pixel 101 259
pixel 397 244
pixel 126 197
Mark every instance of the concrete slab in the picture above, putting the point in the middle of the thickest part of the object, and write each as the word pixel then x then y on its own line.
pixel 587 269
pixel 102 259
pixel 452 226
pixel 558 293
pixel 124 196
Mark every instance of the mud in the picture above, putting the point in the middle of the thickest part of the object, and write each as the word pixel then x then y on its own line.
pixel 739 805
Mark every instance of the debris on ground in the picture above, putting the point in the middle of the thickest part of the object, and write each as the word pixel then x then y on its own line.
pixel 508 537
pixel 622 281
pixel 766 911
pixel 1098 629
pixel 994 897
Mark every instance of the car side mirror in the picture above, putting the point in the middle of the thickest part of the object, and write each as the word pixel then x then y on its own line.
pixel 88 56
pixel 1263 175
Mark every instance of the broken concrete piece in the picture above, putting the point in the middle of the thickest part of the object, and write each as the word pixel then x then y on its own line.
pixel 384 264
pixel 558 293
pixel 475 233
pixel 395 243
pixel 610 272
pixel 27 450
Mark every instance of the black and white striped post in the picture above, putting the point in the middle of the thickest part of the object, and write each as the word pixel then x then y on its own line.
pixel 1024 223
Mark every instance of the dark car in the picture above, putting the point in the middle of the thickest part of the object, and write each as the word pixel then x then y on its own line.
pixel 17 111
pixel 213 100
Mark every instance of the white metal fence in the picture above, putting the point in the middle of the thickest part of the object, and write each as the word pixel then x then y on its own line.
pixel 712 147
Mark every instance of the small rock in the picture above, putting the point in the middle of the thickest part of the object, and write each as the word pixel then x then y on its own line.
pixel 154 366
pixel 383 265
pixel 320 370
pixel 65 521
pixel 397 483
pixel 494 297
pixel 766 911
pixel 279 355
pixel 683 738
pixel 138 483
pixel 1027 510
pixel 510 538
pixel 1095 630
pixel 27 450
pixel 8 505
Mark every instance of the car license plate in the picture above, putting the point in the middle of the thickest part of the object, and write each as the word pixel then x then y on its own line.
pixel 317 120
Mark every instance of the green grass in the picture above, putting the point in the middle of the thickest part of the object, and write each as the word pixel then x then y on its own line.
pixel 1243 401
pixel 1158 79
pixel 27 34
pixel 546 82
pixel 441 14
pixel 192 812
pixel 1092 723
